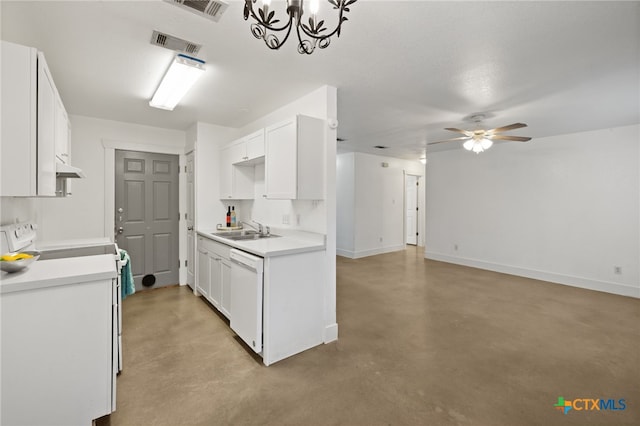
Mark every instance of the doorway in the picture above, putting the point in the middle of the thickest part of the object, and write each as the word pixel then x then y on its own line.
pixel 146 216
pixel 412 183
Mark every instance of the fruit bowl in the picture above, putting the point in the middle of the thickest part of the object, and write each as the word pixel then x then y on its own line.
pixel 20 263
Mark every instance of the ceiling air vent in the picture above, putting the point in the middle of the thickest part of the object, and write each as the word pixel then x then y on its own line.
pixel 210 9
pixel 174 43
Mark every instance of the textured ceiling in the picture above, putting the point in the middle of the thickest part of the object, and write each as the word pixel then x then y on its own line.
pixel 404 69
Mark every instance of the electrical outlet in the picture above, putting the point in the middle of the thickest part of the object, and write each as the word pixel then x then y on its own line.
pixel 455 247
pixel 298 219
pixel 617 270
pixel 380 239
pixel 285 219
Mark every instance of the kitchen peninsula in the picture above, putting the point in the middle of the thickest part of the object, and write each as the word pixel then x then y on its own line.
pixel 275 300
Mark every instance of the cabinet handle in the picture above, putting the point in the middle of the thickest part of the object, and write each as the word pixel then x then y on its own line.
pixel 64 154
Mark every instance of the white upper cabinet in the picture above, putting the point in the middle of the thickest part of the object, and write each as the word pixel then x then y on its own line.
pixel 255 145
pixel 249 149
pixel 28 132
pixel 294 159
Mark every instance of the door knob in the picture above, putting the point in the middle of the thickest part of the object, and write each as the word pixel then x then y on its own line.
pixel 120 230
pixel 189 228
pixel 120 210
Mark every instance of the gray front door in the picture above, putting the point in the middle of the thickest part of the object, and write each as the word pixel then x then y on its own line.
pixel 147 216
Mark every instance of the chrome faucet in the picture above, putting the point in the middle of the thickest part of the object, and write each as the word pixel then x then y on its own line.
pixel 260 228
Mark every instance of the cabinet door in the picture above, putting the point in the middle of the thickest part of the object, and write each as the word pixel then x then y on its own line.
pixel 46 130
pixel 225 173
pixel 225 300
pixel 238 152
pixel 215 274
pixel 61 132
pixel 203 279
pixel 18 131
pixel 255 145
pixel 281 164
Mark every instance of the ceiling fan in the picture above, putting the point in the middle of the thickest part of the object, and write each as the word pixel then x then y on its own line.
pixel 480 140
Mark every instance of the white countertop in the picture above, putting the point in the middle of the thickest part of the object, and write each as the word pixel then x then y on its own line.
pixel 289 242
pixel 57 272
pixel 81 242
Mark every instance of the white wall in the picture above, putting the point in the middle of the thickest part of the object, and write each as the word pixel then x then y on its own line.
pixel 563 209
pixel 206 140
pixel 83 214
pixel 14 210
pixel 378 203
pixel 346 202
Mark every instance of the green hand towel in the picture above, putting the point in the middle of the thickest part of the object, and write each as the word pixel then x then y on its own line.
pixel 127 286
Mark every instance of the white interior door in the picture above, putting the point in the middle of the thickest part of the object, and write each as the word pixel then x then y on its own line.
pixel 411 217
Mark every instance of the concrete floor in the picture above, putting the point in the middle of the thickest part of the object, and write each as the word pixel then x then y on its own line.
pixel 420 343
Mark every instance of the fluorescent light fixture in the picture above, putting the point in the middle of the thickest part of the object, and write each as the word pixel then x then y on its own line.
pixel 181 75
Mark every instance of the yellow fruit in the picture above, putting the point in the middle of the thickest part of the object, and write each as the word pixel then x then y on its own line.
pixel 14 257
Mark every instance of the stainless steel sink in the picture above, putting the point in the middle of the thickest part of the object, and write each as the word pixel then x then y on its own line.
pixel 243 235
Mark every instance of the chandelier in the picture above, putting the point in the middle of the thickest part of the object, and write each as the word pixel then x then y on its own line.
pixel 311 33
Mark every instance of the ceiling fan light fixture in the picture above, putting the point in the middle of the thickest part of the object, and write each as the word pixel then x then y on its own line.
pixel 486 143
pixel 477 147
pixel 468 145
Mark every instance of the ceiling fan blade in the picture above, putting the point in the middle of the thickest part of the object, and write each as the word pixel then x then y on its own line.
pixel 449 140
pixel 464 132
pixel 507 128
pixel 509 138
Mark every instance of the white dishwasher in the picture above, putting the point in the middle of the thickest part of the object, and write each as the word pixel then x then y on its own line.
pixel 246 297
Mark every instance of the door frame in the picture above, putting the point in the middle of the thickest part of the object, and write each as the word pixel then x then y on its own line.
pixel 420 220
pixel 110 147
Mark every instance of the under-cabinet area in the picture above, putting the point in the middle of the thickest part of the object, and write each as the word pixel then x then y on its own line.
pixel 270 289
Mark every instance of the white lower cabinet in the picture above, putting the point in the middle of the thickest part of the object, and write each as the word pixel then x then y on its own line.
pixel 213 278
pixel 203 278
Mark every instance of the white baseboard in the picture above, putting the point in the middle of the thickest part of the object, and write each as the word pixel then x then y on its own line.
pixel 330 333
pixel 604 286
pixel 371 252
pixel 345 253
